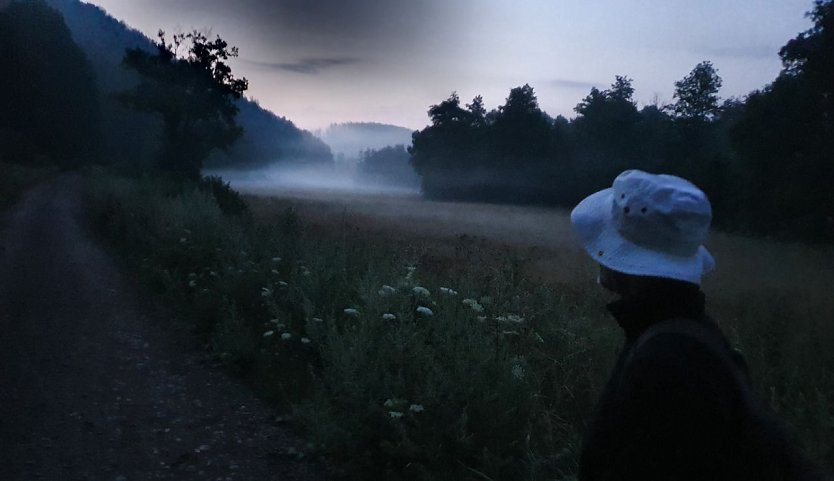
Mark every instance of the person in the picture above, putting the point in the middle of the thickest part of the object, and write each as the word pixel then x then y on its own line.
pixel 678 404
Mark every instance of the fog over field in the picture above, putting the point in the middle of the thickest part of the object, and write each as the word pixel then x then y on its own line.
pixel 543 234
pixel 307 180
pixel 325 192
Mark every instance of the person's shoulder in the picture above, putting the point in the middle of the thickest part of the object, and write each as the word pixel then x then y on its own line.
pixel 691 349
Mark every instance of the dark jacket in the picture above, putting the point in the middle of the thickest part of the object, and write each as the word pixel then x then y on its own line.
pixel 678 405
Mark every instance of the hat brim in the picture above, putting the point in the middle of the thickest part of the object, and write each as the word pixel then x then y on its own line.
pixel 593 225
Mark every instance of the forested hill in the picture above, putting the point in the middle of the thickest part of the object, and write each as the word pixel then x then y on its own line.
pixel 348 140
pixel 131 137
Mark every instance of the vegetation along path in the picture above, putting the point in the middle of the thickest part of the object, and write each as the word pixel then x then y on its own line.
pixel 96 385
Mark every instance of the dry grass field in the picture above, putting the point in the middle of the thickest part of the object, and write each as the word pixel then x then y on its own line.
pixel 774 300
pixel 434 340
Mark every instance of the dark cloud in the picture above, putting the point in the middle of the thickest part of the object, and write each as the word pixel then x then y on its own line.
pixel 308 66
pixel 372 24
pixel 572 84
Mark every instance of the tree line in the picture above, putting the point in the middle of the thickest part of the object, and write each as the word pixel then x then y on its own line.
pixel 766 162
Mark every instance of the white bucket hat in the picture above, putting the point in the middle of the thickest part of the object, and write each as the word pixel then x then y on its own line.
pixel 647 225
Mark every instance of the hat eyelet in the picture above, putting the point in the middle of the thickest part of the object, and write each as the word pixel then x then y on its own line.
pixel 626 209
pixel 600 253
pixel 644 210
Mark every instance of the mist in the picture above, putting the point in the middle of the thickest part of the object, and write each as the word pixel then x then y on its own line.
pixel 310 180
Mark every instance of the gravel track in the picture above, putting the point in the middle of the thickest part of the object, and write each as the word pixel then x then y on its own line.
pixel 95 384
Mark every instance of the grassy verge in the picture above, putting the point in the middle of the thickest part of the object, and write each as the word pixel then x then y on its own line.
pixel 16 178
pixel 419 361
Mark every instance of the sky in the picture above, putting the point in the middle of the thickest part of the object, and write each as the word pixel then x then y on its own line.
pixel 319 62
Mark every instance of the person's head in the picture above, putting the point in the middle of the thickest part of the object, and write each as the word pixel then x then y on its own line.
pixel 644 230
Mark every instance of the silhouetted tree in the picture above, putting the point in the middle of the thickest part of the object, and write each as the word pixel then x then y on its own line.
pixel 520 130
pixel 189 85
pixel 810 53
pixel 477 111
pixel 697 94
pixel 785 139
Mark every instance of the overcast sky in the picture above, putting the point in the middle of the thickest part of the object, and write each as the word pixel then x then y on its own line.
pixel 322 61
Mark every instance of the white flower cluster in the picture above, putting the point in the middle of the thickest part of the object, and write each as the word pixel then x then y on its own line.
pixel 514 318
pixel 424 311
pixel 397 407
pixel 421 291
pixel 446 291
pixel 351 312
pixel 473 304
pixel 388 317
pixel 386 290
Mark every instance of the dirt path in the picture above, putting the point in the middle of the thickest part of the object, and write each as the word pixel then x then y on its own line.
pixel 94 385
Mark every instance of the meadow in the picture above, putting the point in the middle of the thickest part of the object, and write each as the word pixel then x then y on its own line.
pixel 428 340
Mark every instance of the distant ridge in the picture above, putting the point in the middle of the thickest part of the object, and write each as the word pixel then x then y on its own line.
pixel 347 140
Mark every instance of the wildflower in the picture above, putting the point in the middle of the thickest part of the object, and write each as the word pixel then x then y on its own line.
pixel 305 340
pixel 192 283
pixel 395 414
pixel 389 403
pixel 351 312
pixel 282 284
pixel 269 333
pixel 518 371
pixel 416 408
pixel 276 259
pixel 425 311
pixel 421 291
pixel 388 317
pixel 266 292
pixel 275 271
pixel 183 240
pixel 474 305
pixel 510 318
pixel 286 336
pixel 318 319
pixel 411 270
pixel 386 290
pixel 213 274
pixel 448 292
pixel 482 318
pixel 192 274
